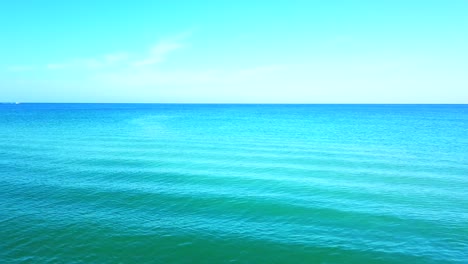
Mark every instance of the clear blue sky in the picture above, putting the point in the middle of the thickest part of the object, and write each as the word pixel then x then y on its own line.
pixel 324 51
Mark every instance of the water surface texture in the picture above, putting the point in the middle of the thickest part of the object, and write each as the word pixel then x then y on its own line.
pixel 110 183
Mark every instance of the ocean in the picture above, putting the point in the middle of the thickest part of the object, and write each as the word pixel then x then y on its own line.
pixel 188 183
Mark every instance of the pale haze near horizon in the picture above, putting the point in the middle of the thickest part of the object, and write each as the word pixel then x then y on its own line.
pixel 234 51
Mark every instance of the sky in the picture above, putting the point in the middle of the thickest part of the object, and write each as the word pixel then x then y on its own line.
pixel 226 51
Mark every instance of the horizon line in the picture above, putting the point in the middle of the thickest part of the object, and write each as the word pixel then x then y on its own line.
pixel 235 103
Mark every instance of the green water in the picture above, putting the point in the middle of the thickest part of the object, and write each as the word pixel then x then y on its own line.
pixel 106 183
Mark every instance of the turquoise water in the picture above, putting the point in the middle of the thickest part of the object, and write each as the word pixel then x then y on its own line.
pixel 110 183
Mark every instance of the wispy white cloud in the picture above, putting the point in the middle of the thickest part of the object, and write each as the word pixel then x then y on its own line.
pixel 108 60
pixel 56 66
pixel 158 53
pixel 20 68
pixel 155 55
pixel 116 57
pixel 137 69
pixel 149 77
